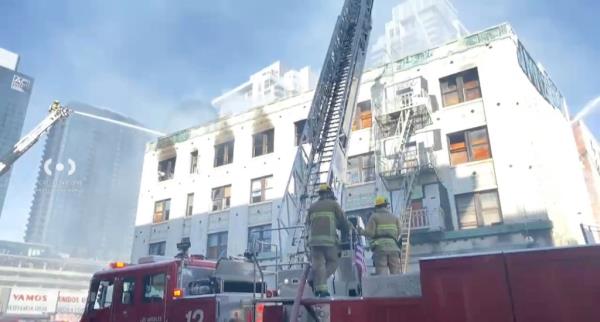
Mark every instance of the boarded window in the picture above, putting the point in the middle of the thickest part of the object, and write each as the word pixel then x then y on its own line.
pixel 162 210
pixel 166 169
pixel 478 209
pixel 460 87
pixel 221 198
pixel 216 245
pixel 261 189
pixel 363 116
pixel 262 143
pixel 223 153
pixel 469 145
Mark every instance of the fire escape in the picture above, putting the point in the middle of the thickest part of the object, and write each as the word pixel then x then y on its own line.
pixel 401 109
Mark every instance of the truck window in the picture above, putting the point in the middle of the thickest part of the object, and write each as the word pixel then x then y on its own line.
pixel 196 280
pixel 154 288
pixel 128 290
pixel 104 295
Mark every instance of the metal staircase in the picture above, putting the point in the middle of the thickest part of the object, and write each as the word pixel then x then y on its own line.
pixel 321 158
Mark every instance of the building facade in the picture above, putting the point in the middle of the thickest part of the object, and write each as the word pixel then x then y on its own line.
pixel 503 170
pixel 86 193
pixel 272 83
pixel 416 25
pixel 15 90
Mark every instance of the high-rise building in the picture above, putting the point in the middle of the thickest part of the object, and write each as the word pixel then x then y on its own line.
pixel 416 25
pixel 497 159
pixel 272 83
pixel 15 90
pixel 86 193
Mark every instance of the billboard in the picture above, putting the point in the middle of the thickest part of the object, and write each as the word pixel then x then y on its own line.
pixel 43 302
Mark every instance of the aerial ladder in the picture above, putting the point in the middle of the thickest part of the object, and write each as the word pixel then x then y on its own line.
pixel 56 114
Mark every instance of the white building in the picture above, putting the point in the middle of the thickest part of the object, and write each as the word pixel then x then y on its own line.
pixel 272 83
pixel 416 25
pixel 507 173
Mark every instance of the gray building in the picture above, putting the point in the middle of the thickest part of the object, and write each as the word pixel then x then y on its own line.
pixel 86 193
pixel 15 89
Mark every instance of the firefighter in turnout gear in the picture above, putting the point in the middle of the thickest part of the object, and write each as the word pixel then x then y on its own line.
pixel 383 229
pixel 324 218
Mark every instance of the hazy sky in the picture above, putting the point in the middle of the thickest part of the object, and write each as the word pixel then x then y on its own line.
pixel 148 59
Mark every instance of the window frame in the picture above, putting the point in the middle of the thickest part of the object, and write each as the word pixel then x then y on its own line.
pixel 149 279
pixel 169 172
pixel 160 245
pixel 267 140
pixel 478 208
pixel 189 205
pixel 264 189
pixel 220 236
pixel 225 202
pixel 227 155
pixel 194 162
pixel 460 87
pixel 361 116
pixel 260 229
pixel 363 168
pixel 165 213
pixel 298 135
pixel 101 299
pixel 468 146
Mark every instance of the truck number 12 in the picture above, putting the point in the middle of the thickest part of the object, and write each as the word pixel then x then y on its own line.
pixel 196 316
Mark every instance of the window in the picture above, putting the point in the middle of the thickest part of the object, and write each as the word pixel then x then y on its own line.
pixel 469 145
pixel 104 295
pixel 162 210
pixel 221 198
pixel 461 87
pixel 154 288
pixel 299 129
pixel 262 143
pixel 194 162
pixel 158 248
pixel 166 169
pixel 260 189
pixel 189 208
pixel 478 209
pixel 217 245
pixel 128 290
pixel 361 168
pixel 259 238
pixel 362 118
pixel 224 153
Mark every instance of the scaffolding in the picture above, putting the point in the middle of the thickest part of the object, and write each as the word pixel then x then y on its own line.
pixel 401 109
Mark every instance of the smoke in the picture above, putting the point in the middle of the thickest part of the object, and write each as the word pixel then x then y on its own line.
pixel 189 113
pixel 589 107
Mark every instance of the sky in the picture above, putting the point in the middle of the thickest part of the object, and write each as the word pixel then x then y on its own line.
pixel 156 60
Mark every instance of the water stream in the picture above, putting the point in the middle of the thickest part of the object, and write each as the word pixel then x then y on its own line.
pixel 589 107
pixel 140 128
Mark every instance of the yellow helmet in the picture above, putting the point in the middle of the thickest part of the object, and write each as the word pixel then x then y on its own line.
pixel 380 201
pixel 324 187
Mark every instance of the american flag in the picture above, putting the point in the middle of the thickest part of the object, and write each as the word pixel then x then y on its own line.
pixel 359 257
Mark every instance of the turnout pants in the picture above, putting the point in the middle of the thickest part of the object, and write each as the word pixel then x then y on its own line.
pixel 386 262
pixel 324 261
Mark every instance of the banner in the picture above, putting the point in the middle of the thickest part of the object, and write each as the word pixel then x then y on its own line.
pixel 28 301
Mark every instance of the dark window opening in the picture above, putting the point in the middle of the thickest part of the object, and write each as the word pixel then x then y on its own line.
pixel 157 248
pixel 166 169
pixel 189 208
pixel 259 239
pixel 221 198
pixel 216 245
pixel 162 210
pixel 262 143
pixel 194 162
pixel 223 153
pixel 299 129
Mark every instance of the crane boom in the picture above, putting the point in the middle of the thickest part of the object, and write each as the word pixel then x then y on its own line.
pixel 56 113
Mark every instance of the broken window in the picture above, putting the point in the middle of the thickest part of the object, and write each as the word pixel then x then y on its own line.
pixel 478 209
pixel 157 248
pixel 363 116
pixel 262 143
pixel 260 189
pixel 469 145
pixel 361 168
pixel 299 129
pixel 189 208
pixel 224 153
pixel 161 210
pixel 460 87
pixel 259 238
pixel 194 161
pixel 166 169
pixel 216 245
pixel 221 198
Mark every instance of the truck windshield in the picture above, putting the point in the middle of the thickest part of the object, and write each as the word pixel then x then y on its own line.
pixel 196 280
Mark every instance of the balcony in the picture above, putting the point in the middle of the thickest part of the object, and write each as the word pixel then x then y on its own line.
pixel 426 220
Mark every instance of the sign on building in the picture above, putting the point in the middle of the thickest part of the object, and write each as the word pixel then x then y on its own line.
pixel 29 301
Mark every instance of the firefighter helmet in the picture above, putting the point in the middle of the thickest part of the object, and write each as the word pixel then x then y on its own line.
pixel 380 201
pixel 324 187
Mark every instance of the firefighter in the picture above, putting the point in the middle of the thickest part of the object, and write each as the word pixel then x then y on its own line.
pixel 324 217
pixel 383 229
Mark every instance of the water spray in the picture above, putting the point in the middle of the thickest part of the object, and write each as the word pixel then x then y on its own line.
pixel 587 109
pixel 132 126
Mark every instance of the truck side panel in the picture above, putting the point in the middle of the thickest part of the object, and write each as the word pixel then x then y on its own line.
pixel 201 309
pixel 558 285
pixel 466 289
